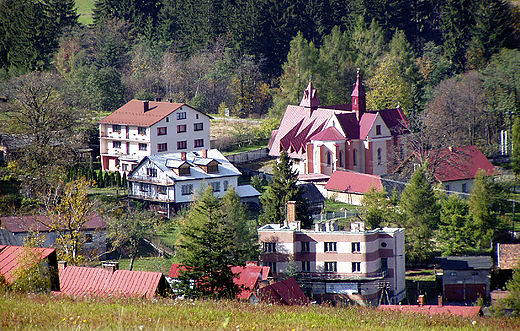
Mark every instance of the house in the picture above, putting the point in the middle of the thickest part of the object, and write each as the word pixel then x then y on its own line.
pixel 94 231
pixel 440 309
pixel 323 139
pixel 334 265
pixel 110 281
pixel 168 181
pixel 13 257
pixel 286 292
pixel 455 167
pixel 142 128
pixel 350 186
pixel 466 278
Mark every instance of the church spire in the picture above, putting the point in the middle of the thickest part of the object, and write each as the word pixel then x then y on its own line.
pixel 310 98
pixel 359 105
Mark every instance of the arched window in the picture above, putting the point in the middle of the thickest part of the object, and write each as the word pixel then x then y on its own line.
pixel 329 161
pixel 379 157
pixel 354 157
pixel 341 159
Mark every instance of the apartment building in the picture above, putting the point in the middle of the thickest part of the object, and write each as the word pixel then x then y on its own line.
pixel 339 266
pixel 142 128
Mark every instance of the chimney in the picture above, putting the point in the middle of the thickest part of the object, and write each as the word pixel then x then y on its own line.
pixel 110 266
pixel 170 100
pixel 62 265
pixel 421 300
pixel 146 106
pixel 291 212
pixel 251 263
pixel 158 99
pixel 183 156
pixel 204 153
pixel 439 300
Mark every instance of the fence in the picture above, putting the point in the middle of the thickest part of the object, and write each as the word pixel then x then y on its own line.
pixel 248 156
pixel 335 214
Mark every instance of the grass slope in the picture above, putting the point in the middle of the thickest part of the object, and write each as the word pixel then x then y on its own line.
pixel 47 312
pixel 85 11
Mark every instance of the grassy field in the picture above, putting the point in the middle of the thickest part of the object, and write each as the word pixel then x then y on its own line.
pixel 85 11
pixel 155 264
pixel 47 312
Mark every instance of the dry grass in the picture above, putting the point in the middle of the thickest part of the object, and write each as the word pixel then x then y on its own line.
pixel 47 312
pixel 225 127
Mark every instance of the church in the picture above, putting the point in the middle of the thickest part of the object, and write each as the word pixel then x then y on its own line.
pixel 322 139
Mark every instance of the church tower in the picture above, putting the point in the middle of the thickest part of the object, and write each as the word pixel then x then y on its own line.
pixel 359 105
pixel 310 98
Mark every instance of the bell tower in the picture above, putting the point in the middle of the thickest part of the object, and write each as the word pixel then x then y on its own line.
pixel 359 105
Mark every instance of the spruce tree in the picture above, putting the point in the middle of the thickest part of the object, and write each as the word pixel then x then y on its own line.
pixel 454 236
pixel 483 222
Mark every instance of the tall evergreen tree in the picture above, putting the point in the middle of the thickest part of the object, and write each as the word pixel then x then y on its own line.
pixel 483 222
pixel 369 44
pixel 454 234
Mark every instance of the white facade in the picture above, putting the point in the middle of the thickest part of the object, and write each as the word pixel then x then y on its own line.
pixel 131 133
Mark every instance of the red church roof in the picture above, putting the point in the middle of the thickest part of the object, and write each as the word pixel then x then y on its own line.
pixel 286 292
pixel 329 134
pixel 353 182
pixel 310 97
pixel 83 281
pixel 10 259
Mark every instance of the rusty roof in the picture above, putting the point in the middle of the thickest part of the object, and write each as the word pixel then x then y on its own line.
pixel 133 113
pixel 286 292
pixel 10 259
pixel 83 281
pixel 40 223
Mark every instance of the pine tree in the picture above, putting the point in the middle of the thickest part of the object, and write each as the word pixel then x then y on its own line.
pixel 420 216
pixel 483 222
pixel 454 234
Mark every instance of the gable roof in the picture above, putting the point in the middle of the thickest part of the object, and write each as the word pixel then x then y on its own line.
pixel 311 193
pixel 329 134
pixel 10 259
pixel 175 270
pixel 310 97
pixel 353 182
pixel 83 281
pixel 508 256
pixel 41 223
pixel 133 113
pixel 458 163
pixel 286 292
pixel 246 278
pixel 466 262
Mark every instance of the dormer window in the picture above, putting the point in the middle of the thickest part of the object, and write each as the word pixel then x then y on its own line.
pixel 212 168
pixel 184 171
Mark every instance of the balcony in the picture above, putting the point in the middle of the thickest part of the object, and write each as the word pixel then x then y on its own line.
pixel 342 276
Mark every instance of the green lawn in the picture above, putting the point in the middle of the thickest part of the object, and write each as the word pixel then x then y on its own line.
pixel 85 11
pixel 155 264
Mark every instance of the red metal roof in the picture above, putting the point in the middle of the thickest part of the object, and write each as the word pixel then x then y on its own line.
pixel 175 270
pixel 359 88
pixel 83 281
pixel 310 97
pixel 17 224
pixel 9 259
pixel 286 292
pixel 466 311
pixel 329 134
pixel 247 279
pixel 458 163
pixel 132 113
pixel 365 124
pixel 353 182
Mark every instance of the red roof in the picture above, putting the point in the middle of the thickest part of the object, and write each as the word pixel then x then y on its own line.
pixel 353 182
pixel 286 292
pixel 458 163
pixel 83 281
pixel 17 224
pixel 132 113
pixel 365 124
pixel 466 311
pixel 329 134
pixel 9 259
pixel 176 269
pixel 310 97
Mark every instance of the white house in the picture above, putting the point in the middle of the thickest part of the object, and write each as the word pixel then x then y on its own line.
pixel 142 128
pixel 333 265
pixel 167 181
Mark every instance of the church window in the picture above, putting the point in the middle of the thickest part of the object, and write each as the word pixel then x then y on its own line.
pixel 341 159
pixel 328 159
pixel 354 157
pixel 379 156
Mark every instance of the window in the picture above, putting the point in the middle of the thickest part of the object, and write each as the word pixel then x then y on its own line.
pixel 181 128
pixel 134 166
pixel 88 238
pixel 379 156
pixel 306 246
pixel 181 116
pixel 162 131
pixel 328 158
pixel 162 147
pixel 152 172
pixel 447 187
pixel 226 184
pixel 198 126
pixel 184 171
pixel 269 247
pixel 182 144
pixel 272 265
pixel 215 186
pixel 356 247
pixel 143 147
pixel 378 130
pixel 144 187
pixel 306 266
pixel 383 244
pixel 384 264
pixel 453 274
pixel 141 130
pixel 116 128
pixel 125 166
pixel 464 188
pixel 341 159
pixel 161 189
pixel 354 157
pixel 198 142
pixel 330 247
pixel 196 116
pixel 167 120
pixel 356 266
pixel 212 168
pixel 474 273
pixel 116 144
pixel 331 266
pixel 187 189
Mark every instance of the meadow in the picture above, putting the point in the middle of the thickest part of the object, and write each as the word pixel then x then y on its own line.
pixel 53 312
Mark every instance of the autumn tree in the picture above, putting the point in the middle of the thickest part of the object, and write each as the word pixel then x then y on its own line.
pixel 379 209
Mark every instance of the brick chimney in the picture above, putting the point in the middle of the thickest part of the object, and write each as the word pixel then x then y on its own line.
pixel 158 99
pixel 439 300
pixel 62 265
pixel 291 212
pixel 421 300
pixel 146 106
pixel 183 156
pixel 110 266
pixel 204 153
